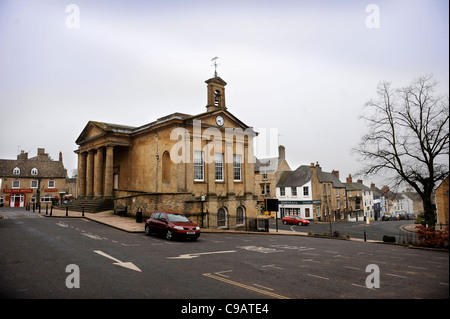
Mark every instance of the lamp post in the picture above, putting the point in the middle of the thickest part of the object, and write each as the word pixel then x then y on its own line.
pixel 202 199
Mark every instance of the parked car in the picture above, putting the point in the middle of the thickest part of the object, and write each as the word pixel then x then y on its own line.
pixel 172 225
pixel 295 220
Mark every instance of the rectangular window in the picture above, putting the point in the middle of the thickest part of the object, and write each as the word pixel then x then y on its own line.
pixel 263 188
pixel 198 166
pixel 51 184
pixel 307 212
pixel 34 184
pixel 305 190
pixel 282 191
pixel 268 189
pixel 46 199
pixel 218 158
pixel 294 191
pixel 16 184
pixel 237 167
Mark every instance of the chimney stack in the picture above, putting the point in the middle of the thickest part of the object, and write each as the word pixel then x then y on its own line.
pixel 281 152
pixel 60 156
pixel 349 179
pixel 335 173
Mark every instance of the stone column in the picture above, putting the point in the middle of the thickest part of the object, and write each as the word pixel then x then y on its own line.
pixel 81 175
pixel 109 161
pixel 89 173
pixel 98 174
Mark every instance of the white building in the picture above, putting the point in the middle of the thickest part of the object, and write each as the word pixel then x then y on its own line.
pixel 294 193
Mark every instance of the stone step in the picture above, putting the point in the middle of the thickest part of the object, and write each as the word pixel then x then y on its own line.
pixel 90 205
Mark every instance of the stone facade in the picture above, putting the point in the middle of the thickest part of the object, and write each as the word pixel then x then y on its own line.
pixel 442 202
pixel 179 163
pixel 37 179
pixel 267 174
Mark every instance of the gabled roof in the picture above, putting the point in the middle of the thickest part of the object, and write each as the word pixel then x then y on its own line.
pixel 326 177
pixel 47 168
pixel 266 165
pixel 299 177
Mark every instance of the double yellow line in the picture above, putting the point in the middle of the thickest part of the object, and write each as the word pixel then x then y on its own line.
pixel 234 283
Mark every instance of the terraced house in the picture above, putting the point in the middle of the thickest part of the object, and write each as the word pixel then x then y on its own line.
pixel 201 165
pixel 37 179
pixel 312 194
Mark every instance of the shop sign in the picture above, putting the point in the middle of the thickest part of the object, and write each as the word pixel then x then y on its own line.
pixel 17 190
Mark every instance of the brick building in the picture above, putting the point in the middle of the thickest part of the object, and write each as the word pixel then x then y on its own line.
pixel 37 179
pixel 201 165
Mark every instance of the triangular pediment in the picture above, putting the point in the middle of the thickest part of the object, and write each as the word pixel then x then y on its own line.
pixel 229 120
pixel 91 130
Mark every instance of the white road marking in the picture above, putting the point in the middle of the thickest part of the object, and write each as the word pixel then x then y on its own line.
pixel 195 255
pixel 128 265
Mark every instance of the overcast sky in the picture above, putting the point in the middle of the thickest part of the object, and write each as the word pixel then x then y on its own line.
pixel 303 69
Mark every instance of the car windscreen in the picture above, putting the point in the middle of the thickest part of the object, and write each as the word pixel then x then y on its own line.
pixel 177 218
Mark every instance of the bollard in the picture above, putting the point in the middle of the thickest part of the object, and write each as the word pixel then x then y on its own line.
pixel 67 210
pixel 364 235
pixel 34 206
pixel 82 211
pixel 51 210
pixel 39 208
pixel 46 209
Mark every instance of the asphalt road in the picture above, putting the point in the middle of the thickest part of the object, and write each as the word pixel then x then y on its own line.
pixel 375 230
pixel 36 251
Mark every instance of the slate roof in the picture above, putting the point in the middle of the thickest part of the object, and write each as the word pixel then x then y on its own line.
pixel 46 168
pixel 296 178
pixel 266 165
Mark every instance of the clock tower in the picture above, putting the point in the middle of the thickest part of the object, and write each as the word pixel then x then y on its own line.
pixel 216 94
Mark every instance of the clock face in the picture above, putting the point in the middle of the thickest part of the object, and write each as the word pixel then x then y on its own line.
pixel 219 120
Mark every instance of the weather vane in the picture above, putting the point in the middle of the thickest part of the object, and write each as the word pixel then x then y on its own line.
pixel 215 65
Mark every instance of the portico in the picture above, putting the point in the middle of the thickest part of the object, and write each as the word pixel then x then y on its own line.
pixel 98 142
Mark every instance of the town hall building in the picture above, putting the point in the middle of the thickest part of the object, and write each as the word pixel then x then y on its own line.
pixel 200 165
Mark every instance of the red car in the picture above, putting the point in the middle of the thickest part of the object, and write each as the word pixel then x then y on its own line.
pixel 172 225
pixel 295 220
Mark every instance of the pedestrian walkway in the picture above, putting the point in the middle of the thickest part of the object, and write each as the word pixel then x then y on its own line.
pixel 128 223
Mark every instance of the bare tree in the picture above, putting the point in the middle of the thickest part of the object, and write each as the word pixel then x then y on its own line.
pixel 408 138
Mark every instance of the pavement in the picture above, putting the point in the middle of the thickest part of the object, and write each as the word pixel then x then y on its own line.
pixel 129 224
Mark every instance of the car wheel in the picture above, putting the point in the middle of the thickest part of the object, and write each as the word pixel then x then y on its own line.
pixel 284 222
pixel 147 230
pixel 300 223
pixel 169 234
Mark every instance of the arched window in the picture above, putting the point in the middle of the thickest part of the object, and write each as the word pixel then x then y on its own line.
pixel 222 217
pixel 16 171
pixel 166 164
pixel 240 215
pixel 34 171
pixel 217 98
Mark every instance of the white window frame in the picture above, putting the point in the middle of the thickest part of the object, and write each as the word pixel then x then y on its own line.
pixel 218 170
pixel 51 184
pixel 34 171
pixel 199 166
pixel 34 181
pixel 16 171
pixel 237 167
pixel 16 184
pixel 46 199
